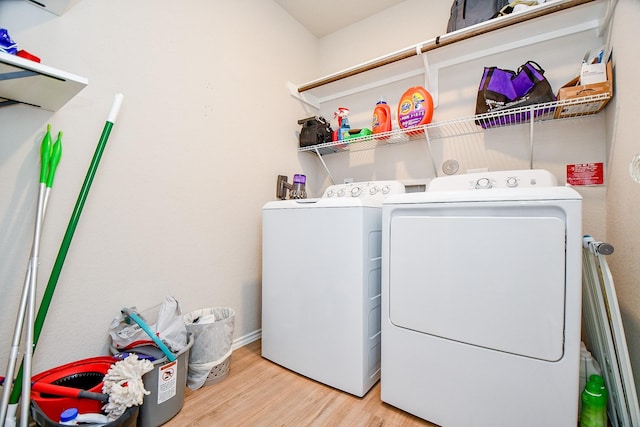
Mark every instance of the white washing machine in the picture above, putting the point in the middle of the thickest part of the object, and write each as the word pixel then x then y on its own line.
pixel 321 261
pixel 481 301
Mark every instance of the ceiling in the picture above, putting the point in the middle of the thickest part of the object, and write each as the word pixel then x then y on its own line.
pixel 326 16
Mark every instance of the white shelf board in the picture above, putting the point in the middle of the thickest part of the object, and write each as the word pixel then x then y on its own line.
pixel 29 82
pixel 54 6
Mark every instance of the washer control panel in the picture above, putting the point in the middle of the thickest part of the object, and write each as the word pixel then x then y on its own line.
pixel 528 178
pixel 370 190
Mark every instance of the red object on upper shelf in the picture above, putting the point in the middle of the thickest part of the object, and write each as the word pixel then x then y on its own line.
pixel 26 55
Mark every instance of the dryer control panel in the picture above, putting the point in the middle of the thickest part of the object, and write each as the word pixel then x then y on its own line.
pixel 528 178
pixel 370 190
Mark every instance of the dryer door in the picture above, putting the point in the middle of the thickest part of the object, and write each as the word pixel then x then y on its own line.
pixel 488 275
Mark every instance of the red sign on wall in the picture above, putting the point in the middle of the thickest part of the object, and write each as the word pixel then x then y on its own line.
pixel 585 174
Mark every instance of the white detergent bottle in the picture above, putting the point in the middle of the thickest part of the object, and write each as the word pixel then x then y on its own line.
pixel 71 417
pixel 588 366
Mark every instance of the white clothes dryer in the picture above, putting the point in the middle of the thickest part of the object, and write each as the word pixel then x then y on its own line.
pixel 481 301
pixel 321 261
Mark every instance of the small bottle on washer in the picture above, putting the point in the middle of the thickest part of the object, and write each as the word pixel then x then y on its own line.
pixel 298 190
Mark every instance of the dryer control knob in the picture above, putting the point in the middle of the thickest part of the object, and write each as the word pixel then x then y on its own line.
pixel 386 189
pixel 373 190
pixel 341 192
pixel 512 181
pixel 483 183
pixel 330 193
pixel 355 191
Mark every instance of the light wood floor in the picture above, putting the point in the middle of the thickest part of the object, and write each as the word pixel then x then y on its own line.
pixel 260 393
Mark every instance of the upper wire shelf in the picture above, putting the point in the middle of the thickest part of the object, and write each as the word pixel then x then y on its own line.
pixel 556 110
pixel 32 83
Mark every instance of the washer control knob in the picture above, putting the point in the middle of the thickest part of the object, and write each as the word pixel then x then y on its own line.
pixel 341 192
pixel 373 190
pixel 355 191
pixel 483 183
pixel 330 193
pixel 386 189
pixel 512 181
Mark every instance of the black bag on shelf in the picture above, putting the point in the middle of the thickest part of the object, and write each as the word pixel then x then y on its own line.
pixel 315 130
pixel 468 12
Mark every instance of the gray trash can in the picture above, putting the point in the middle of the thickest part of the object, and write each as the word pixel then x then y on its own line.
pixel 209 359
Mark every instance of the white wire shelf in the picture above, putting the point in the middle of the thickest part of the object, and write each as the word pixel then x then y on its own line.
pixel 557 110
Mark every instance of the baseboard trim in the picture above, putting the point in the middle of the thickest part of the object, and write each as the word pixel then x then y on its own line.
pixel 246 339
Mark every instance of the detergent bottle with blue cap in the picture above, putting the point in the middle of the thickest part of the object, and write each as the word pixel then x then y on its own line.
pixel 71 417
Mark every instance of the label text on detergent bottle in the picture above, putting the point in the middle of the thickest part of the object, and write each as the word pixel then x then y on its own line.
pixel 412 110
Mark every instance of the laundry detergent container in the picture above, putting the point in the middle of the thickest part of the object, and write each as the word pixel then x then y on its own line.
pixel 210 356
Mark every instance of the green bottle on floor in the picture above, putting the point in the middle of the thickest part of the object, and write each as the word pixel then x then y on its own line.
pixel 594 403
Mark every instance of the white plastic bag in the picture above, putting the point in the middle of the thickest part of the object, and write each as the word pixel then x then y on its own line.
pixel 167 324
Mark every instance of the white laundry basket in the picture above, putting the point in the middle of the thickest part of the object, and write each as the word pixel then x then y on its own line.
pixel 210 355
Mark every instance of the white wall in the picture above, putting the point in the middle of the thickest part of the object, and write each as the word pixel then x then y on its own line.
pixel 623 193
pixel 175 208
pixel 403 25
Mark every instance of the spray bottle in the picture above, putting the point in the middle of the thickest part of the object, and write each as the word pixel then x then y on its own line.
pixel 343 123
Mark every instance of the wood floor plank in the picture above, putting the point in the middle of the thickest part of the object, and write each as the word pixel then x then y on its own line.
pixel 259 393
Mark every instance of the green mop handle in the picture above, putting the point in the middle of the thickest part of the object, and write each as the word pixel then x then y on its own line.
pixel 68 236
pixel 54 160
pixel 45 155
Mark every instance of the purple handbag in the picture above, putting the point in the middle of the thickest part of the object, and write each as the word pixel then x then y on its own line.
pixel 504 89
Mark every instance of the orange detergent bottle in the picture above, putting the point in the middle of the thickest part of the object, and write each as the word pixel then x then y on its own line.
pixel 381 122
pixel 415 109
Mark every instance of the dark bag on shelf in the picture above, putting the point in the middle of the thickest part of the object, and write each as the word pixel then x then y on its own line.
pixel 468 12
pixel 315 130
pixel 504 89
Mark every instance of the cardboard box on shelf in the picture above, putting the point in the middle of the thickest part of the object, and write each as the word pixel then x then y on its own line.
pixel 575 90
pixel 593 73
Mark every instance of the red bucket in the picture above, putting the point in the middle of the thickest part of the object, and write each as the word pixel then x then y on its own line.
pixel 87 374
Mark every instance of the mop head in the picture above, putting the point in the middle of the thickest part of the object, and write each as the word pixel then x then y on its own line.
pixel 123 383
